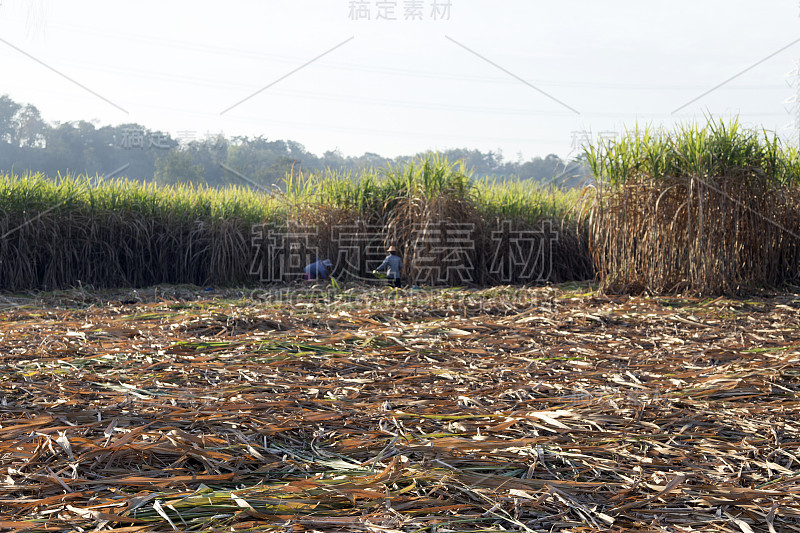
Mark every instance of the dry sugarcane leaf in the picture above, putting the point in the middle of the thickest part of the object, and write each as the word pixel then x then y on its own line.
pixel 395 419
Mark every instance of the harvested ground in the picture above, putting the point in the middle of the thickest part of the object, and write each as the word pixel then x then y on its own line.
pixel 364 409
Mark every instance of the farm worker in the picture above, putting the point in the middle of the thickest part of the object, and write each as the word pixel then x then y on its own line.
pixel 393 264
pixel 319 269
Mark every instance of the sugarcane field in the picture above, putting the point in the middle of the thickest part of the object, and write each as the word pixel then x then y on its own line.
pixel 410 351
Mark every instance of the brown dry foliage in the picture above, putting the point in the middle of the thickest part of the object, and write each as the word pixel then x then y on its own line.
pixel 721 235
pixel 445 240
pixel 495 410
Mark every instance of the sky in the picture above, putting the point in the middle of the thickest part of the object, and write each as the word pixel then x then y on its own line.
pixel 523 77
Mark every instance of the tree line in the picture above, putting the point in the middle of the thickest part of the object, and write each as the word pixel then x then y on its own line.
pixel 29 143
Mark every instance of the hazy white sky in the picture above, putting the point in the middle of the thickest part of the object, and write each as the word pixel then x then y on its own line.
pixel 522 76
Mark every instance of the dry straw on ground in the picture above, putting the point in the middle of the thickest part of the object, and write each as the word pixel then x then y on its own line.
pixel 361 410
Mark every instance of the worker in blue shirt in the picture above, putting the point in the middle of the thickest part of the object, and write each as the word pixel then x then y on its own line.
pixel 393 265
pixel 319 269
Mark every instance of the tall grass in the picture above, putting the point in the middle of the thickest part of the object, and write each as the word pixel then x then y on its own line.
pixel 71 230
pixel 450 230
pixel 715 149
pixel 708 208
pixel 526 200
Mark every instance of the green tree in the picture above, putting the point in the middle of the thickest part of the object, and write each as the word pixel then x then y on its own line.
pixel 31 132
pixel 178 167
pixel 8 120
